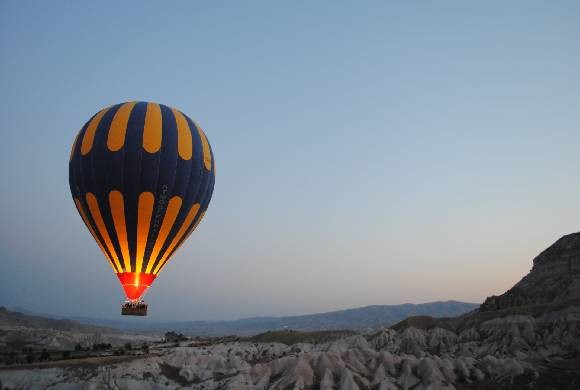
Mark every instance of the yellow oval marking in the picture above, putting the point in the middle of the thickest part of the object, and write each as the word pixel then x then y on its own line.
pixel 146 200
pixel 86 221
pixel 118 129
pixel 118 212
pixel 97 217
pixel 188 220
pixel 153 128
pixel 184 142
pixel 74 145
pixel 89 136
pixel 168 220
pixel 206 151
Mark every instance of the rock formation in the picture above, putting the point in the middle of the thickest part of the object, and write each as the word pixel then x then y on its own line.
pixel 527 338
pixel 554 278
pixel 509 352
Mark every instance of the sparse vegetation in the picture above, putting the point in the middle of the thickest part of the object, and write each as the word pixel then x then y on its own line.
pixel 44 356
pixel 424 322
pixel 174 337
pixel 102 347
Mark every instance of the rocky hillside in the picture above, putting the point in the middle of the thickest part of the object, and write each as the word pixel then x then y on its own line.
pixel 513 352
pixel 554 278
pixel 528 338
pixel 20 331
pixel 9 318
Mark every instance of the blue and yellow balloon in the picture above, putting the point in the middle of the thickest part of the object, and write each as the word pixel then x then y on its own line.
pixel 141 176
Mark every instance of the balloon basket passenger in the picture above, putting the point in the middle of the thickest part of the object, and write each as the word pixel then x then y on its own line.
pixel 134 308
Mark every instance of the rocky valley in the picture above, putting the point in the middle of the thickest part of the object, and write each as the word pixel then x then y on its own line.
pixel 527 338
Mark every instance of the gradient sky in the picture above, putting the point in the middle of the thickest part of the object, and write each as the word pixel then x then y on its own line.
pixel 367 152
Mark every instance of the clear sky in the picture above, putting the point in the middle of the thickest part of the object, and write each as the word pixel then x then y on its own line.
pixel 374 152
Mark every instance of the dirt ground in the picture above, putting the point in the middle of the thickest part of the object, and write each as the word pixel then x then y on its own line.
pixel 95 361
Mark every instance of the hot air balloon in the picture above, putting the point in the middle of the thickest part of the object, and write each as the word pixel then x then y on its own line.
pixel 141 176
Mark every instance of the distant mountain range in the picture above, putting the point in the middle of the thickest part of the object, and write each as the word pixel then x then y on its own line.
pixel 15 318
pixel 368 317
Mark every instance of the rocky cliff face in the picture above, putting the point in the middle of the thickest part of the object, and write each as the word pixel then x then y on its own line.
pixel 554 278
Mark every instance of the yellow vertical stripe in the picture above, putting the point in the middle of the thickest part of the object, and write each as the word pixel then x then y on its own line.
pixel 118 212
pixel 146 200
pixel 153 128
pixel 187 223
pixel 89 136
pixel 184 142
pixel 86 221
pixel 116 136
pixel 168 220
pixel 96 214
pixel 206 151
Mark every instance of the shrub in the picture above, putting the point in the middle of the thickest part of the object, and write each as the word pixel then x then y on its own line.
pixel 102 347
pixel 44 356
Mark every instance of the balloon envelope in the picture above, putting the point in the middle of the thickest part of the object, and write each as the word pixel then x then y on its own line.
pixel 141 175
